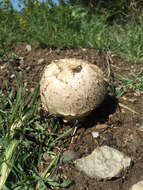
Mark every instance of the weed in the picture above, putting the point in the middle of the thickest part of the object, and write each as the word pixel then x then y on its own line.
pixel 23 140
pixel 124 84
pixel 69 25
pixel 127 42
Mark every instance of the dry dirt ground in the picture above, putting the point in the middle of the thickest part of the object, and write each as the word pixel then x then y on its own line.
pixel 118 127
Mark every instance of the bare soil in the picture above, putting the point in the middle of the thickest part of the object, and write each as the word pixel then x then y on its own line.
pixel 118 126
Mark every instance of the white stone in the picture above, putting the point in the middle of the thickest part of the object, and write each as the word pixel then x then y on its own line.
pixel 95 134
pixel 103 163
pixel 28 47
pixel 137 186
pixel 12 76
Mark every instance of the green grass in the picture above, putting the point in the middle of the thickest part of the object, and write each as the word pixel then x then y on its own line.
pixel 24 137
pixel 128 42
pixel 23 140
pixel 125 84
pixel 75 26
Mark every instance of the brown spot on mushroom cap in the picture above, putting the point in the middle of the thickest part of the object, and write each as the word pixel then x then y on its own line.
pixel 72 88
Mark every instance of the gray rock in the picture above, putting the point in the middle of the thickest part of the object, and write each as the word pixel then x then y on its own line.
pixel 104 163
pixel 69 156
pixel 137 186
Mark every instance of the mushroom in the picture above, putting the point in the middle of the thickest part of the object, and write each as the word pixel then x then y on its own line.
pixel 71 88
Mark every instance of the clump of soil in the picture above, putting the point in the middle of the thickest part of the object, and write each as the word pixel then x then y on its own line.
pixel 118 126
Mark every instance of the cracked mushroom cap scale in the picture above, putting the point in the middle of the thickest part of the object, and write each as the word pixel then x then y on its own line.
pixel 72 88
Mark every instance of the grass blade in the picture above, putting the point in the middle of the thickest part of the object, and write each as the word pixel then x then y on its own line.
pixel 8 163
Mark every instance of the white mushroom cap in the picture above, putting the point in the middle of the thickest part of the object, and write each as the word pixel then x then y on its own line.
pixel 72 88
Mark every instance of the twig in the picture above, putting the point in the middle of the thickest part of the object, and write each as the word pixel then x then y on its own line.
pixel 126 107
pixel 111 78
pixel 115 66
pixel 75 129
pixel 109 62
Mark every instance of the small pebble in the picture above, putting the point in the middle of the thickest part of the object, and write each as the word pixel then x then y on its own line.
pixel 69 156
pixel 3 67
pixel 28 47
pixel 12 76
pixel 137 186
pixel 21 60
pixel 40 61
pixel 28 68
pixel 95 134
